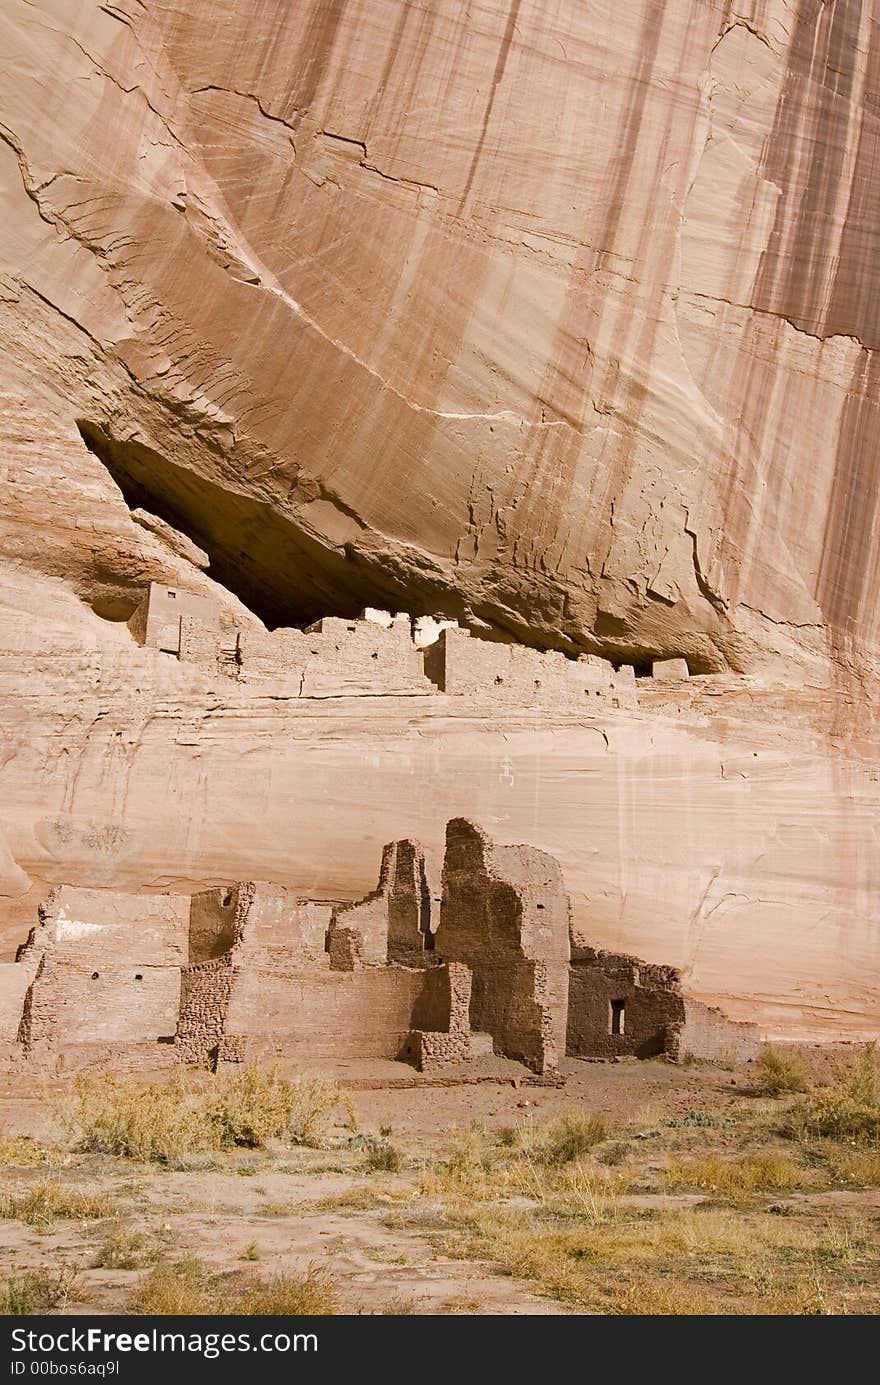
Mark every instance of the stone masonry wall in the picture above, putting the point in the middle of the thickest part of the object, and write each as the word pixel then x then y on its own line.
pixel 204 1003
pixel 441 1021
pixel 505 914
pixel 645 999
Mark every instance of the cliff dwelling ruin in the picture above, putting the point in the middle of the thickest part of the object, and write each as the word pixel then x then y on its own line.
pixel 485 964
pixel 380 653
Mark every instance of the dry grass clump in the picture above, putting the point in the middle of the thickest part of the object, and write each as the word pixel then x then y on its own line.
pixel 186 1289
pixel 24 1152
pixel 124 1249
pixel 522 1161
pixel 780 1073
pixel 38 1291
pixel 49 1201
pixel 859 1166
pixel 752 1173
pixel 571 1135
pixel 168 1121
pixel 846 1109
pixel 381 1156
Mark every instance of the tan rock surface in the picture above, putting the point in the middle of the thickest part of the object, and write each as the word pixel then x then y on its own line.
pixel 555 318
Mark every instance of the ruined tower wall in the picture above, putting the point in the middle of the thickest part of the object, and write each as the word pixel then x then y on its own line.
pixel 505 915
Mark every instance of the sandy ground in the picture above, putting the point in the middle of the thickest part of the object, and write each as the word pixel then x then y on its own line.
pixel 264 1212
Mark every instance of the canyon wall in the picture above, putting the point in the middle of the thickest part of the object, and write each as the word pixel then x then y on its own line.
pixel 558 318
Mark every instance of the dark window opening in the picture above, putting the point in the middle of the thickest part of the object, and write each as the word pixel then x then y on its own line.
pixel 95 975
pixel 138 976
pixel 227 899
pixel 498 678
pixel 539 906
pixel 617 1017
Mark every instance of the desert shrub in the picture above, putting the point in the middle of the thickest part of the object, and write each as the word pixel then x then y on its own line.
pixel 186 1289
pixel 860 1166
pixel 381 1156
pixel 38 1291
pixel 251 1107
pixel 50 1200
pixel 158 1121
pixel 23 1151
pixel 316 1103
pixel 309 1295
pixel 571 1135
pixel 124 1249
pixel 182 1289
pixel 780 1073
pixel 847 1108
pixel 169 1121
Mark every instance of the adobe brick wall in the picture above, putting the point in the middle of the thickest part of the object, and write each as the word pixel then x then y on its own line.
pixel 72 1002
pixel 336 658
pixel 505 915
pixel 653 1005
pixel 708 1033
pixel 275 922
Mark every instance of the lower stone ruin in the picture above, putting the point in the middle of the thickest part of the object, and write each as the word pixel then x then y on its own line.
pixel 490 966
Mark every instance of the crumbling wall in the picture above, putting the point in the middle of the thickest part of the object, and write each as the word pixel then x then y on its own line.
pixel 505 915
pixel 14 982
pixel 391 924
pixel 212 923
pixel 278 924
pixel 379 654
pixel 270 933
pixel 464 666
pixel 618 1005
pixel 708 1033
pixel 441 1020
pixel 106 968
pixel 336 657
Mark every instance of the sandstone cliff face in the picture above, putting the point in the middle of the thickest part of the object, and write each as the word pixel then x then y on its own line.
pixel 556 317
